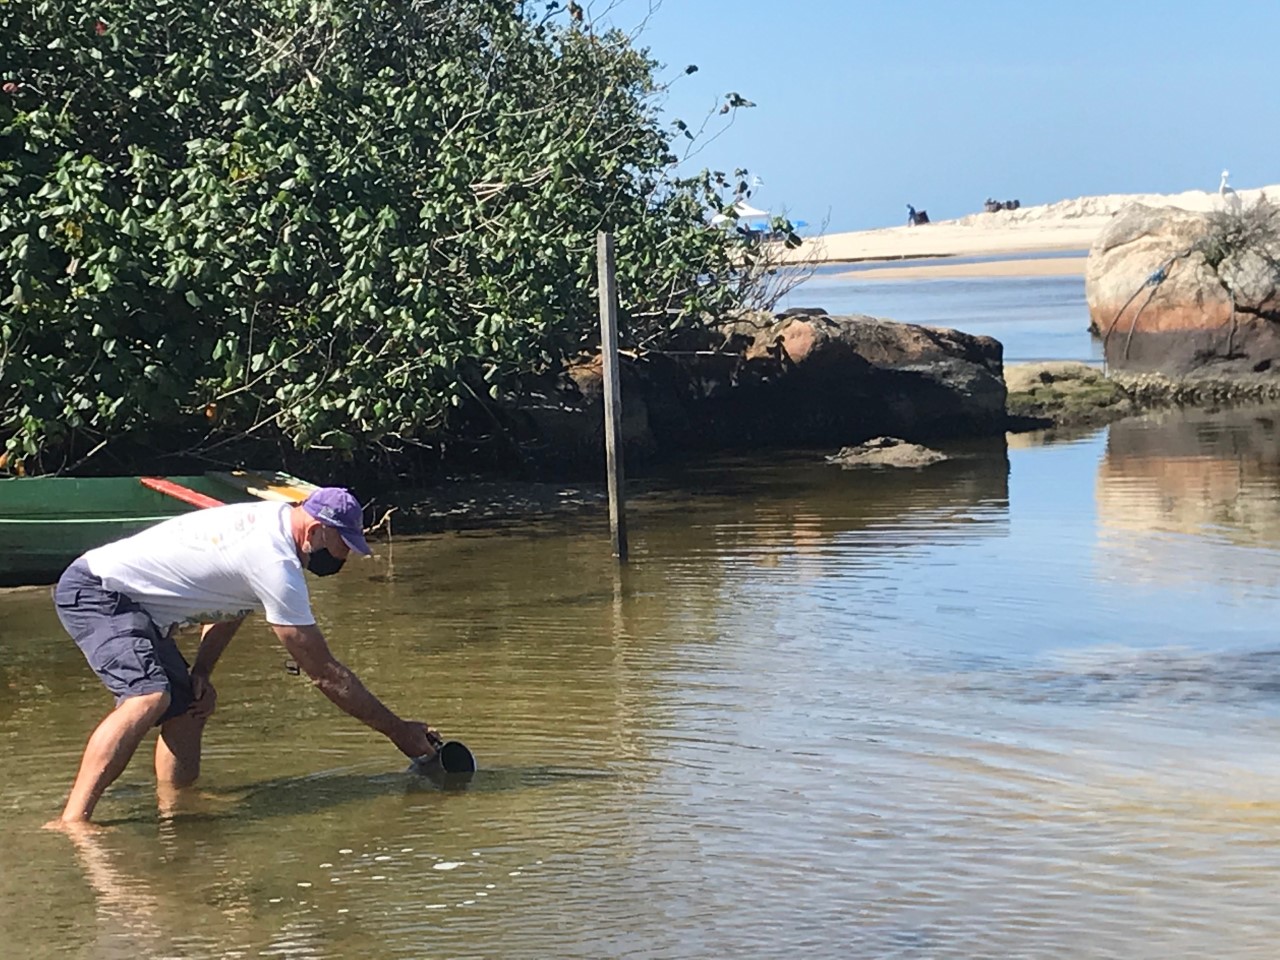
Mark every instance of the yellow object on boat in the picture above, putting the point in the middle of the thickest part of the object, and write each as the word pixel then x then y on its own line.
pixel 268 485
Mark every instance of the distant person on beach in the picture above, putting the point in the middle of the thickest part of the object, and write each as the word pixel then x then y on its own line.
pixel 122 602
pixel 916 216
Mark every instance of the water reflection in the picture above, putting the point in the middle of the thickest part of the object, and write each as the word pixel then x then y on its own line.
pixel 1211 476
pixel 140 911
pixel 128 920
pixel 1195 472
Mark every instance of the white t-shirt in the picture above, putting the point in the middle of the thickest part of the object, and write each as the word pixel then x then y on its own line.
pixel 211 565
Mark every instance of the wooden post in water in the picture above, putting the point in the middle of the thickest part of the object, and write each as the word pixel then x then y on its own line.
pixel 612 393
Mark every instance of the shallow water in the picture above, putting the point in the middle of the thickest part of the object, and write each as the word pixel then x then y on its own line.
pixel 1036 318
pixel 1024 703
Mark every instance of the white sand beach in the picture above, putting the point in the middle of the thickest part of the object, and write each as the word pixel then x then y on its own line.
pixel 1064 225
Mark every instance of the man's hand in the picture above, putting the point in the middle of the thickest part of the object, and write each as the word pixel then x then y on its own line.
pixel 214 638
pixel 417 739
pixel 204 696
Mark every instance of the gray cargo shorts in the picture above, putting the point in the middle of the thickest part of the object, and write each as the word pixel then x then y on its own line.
pixel 122 643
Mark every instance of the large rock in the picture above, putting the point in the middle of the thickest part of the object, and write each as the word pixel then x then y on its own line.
pixel 1184 293
pixel 820 376
pixel 808 380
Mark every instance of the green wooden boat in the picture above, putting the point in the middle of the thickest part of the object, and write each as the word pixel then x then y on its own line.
pixel 46 522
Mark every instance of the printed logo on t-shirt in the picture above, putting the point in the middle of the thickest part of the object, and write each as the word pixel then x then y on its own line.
pixel 200 534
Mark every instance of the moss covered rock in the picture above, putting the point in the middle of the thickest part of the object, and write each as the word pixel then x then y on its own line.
pixel 1063 393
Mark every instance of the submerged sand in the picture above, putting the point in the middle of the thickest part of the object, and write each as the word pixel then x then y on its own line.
pixel 1061 226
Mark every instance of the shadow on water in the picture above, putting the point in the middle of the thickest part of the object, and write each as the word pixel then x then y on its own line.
pixel 1100 677
pixel 316 793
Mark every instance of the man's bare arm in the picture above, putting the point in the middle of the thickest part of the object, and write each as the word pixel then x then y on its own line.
pixel 307 646
pixel 214 638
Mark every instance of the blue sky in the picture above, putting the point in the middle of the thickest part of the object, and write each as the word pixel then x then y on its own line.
pixel 863 107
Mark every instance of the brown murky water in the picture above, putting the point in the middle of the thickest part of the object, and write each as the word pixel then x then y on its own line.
pixel 1022 705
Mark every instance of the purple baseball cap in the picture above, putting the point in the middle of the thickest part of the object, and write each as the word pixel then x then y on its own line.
pixel 336 507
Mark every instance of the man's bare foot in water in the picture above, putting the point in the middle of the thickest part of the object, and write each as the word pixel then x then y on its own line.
pixel 74 828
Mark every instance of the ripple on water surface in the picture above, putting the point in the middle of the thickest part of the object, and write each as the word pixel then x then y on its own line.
pixel 1020 704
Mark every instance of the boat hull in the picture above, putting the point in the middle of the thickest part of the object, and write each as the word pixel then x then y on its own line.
pixel 46 522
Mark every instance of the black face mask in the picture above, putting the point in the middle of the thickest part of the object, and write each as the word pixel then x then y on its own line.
pixel 323 563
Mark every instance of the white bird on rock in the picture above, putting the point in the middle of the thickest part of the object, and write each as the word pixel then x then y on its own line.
pixel 1230 199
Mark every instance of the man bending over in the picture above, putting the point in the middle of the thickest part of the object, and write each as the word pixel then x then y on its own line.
pixel 121 603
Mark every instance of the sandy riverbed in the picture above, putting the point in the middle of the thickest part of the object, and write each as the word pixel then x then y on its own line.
pixel 1064 225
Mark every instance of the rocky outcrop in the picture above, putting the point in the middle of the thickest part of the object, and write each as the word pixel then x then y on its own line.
pixel 1064 393
pixel 1154 390
pixel 805 380
pixel 887 452
pixel 863 376
pixel 1072 394
pixel 1187 294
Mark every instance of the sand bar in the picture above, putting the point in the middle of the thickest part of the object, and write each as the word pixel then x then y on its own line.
pixel 941 269
pixel 1061 226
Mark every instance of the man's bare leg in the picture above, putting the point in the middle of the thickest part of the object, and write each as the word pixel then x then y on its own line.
pixel 177 756
pixel 109 750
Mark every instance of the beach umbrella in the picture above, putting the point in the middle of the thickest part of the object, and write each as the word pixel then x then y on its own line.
pixel 764 225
